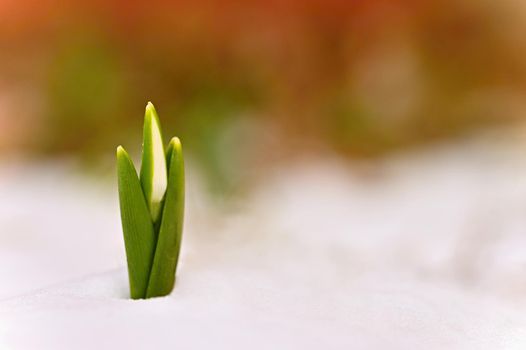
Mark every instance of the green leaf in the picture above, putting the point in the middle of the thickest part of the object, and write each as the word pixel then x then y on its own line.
pixel 153 166
pixel 137 226
pixel 169 151
pixel 162 277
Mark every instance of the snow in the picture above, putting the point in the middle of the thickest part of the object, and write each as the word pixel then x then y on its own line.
pixel 419 250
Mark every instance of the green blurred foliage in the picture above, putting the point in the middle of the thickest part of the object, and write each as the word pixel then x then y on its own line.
pixel 86 91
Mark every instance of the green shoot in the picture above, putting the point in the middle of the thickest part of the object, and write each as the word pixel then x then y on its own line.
pixel 152 211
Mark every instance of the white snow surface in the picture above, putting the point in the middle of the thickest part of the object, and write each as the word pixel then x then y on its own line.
pixel 418 251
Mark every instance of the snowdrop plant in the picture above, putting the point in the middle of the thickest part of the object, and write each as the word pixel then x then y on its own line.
pixel 152 210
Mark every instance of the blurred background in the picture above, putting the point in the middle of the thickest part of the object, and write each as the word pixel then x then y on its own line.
pixel 249 85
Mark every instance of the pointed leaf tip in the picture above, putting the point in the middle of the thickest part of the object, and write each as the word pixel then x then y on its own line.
pixel 120 150
pixel 176 142
pixel 150 110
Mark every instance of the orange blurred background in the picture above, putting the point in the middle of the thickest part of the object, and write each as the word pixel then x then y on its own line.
pixel 246 84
